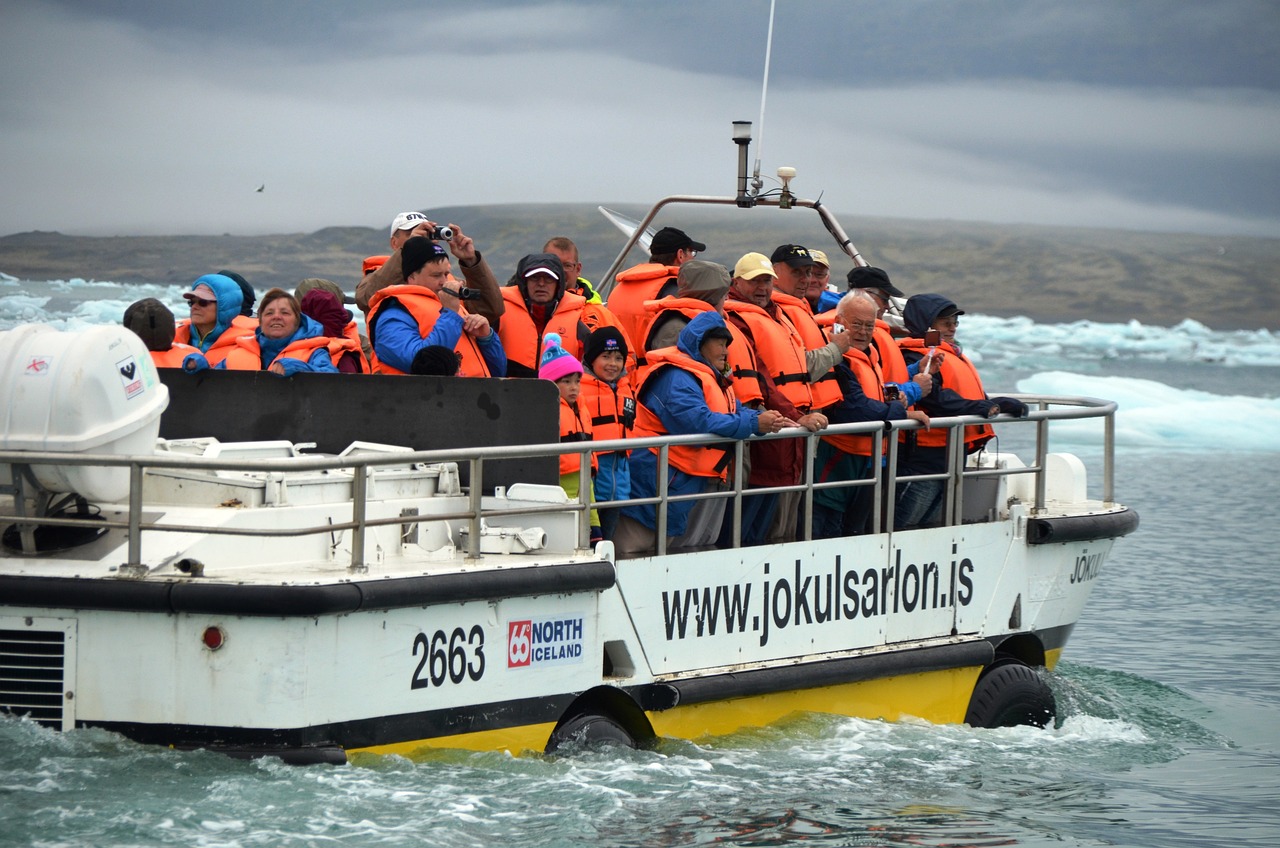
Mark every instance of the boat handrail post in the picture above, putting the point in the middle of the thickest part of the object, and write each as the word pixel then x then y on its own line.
pixel 955 463
pixel 1042 451
pixel 660 509
pixel 359 500
pixel 1109 458
pixel 891 469
pixel 738 448
pixel 807 475
pixel 877 469
pixel 134 566
pixel 584 500
pixel 476 494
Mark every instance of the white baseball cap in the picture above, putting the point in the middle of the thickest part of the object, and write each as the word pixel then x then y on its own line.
pixel 407 221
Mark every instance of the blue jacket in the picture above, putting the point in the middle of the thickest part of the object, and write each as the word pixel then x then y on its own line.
pixel 308 328
pixel 675 396
pixel 827 301
pixel 399 338
pixel 229 297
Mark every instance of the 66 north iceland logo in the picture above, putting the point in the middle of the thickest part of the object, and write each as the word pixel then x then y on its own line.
pixel 544 641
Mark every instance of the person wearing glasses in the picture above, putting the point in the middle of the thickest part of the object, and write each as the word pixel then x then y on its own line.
pixel 563 247
pixel 875 284
pixel 794 267
pixel 846 511
pixel 215 320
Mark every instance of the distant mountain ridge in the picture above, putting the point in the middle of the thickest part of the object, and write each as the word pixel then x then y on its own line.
pixel 1045 273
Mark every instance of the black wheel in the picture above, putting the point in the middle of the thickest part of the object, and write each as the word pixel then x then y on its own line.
pixel 1009 694
pixel 591 730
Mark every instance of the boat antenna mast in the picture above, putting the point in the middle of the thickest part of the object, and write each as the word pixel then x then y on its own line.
pixel 742 137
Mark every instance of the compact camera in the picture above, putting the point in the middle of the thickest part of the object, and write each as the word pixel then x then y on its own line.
pixel 891 392
pixel 441 234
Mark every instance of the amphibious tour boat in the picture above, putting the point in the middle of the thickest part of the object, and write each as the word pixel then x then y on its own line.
pixel 317 566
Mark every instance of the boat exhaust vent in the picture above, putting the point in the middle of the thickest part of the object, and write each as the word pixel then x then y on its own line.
pixel 32 679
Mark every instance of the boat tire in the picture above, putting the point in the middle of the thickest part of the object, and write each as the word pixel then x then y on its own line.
pixel 1009 694
pixel 590 730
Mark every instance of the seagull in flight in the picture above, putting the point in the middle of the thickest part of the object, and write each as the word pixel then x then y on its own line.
pixel 261 188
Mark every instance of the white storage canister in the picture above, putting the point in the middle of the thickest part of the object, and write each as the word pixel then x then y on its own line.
pixel 91 391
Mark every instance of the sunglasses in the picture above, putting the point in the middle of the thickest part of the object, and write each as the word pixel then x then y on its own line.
pixel 200 301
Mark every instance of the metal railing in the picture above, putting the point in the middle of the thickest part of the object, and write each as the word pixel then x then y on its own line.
pixel 1045 409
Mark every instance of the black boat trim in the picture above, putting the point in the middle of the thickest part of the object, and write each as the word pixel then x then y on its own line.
pixel 199 595
pixel 1081 528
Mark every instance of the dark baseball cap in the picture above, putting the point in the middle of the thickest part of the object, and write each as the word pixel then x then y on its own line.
pixel 867 277
pixel 669 240
pixel 795 255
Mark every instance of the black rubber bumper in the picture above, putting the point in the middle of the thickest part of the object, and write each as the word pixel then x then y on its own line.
pixel 1081 528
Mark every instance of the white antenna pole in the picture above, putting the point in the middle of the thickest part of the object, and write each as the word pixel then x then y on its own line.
pixel 756 182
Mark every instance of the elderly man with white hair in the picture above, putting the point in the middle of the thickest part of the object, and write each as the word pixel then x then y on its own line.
pixel 845 511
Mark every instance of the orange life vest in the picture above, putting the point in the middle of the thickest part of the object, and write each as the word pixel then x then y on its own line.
pixel 352 332
pixel 520 337
pixel 597 315
pixel 632 288
pixel 573 428
pixel 957 374
pixel 423 304
pixel 743 367
pixel 224 344
pixel 865 365
pixel 826 390
pixel 172 358
pixel 892 364
pixel 247 355
pixel 697 460
pixel 611 411
pixel 779 350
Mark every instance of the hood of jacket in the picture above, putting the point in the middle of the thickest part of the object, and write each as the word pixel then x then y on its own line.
pixel 693 334
pixel 325 308
pixel 922 310
pixel 229 297
pixel 546 261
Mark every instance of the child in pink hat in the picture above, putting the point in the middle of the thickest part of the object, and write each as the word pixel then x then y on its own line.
pixel 563 369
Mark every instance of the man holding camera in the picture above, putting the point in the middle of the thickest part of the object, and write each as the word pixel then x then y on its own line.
pixel 427 310
pixel 476 273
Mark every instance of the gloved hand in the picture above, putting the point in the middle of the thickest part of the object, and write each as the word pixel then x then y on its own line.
pixel 195 362
pixel 1012 406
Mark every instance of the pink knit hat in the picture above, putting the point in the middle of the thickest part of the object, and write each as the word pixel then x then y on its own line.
pixel 556 361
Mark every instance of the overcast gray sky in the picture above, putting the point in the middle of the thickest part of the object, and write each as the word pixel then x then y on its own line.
pixel 164 117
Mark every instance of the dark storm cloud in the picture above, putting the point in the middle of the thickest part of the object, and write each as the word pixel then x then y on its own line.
pixel 156 116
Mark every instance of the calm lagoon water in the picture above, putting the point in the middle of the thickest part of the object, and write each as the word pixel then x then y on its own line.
pixel 1170 729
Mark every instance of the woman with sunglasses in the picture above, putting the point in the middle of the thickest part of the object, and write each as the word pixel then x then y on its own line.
pixel 215 320
pixel 287 341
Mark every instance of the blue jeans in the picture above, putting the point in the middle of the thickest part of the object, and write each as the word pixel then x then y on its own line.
pixel 918 503
pixel 757 515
